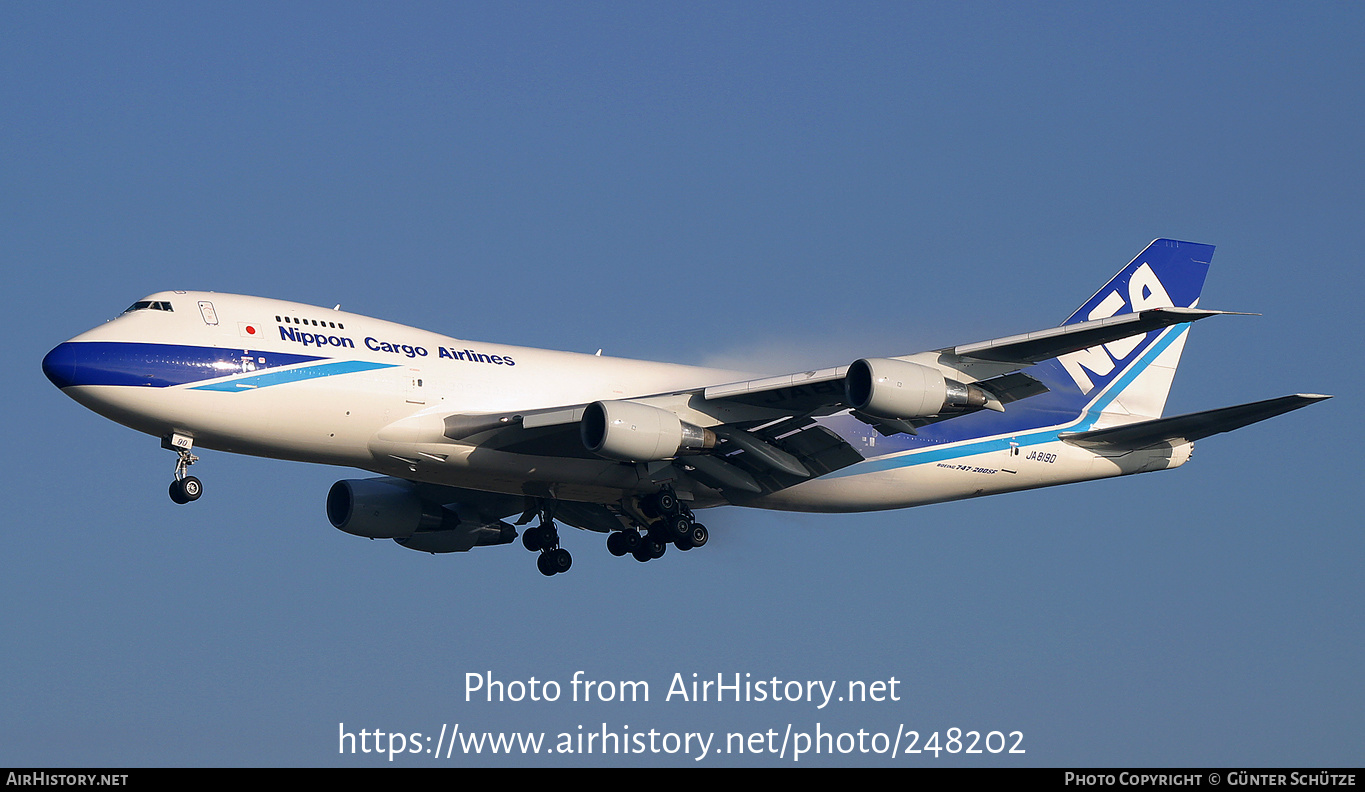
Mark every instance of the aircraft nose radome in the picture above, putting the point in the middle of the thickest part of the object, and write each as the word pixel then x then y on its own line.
pixel 60 365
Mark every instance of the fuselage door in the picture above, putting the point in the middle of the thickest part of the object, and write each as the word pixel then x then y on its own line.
pixel 206 311
pixel 416 392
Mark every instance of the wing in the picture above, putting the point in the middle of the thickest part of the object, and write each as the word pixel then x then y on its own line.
pixel 758 436
pixel 1029 348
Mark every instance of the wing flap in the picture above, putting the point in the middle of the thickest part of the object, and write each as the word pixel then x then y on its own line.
pixel 1012 387
pixel 771 457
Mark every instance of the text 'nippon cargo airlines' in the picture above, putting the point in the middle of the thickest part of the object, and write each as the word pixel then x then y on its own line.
pixel 466 435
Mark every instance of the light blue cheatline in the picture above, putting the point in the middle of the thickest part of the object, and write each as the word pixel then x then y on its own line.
pixel 270 378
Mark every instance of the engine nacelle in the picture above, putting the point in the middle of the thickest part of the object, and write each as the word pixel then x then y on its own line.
pixel 637 432
pixel 390 508
pixel 898 389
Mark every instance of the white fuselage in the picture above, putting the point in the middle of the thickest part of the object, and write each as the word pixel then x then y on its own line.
pixel 376 396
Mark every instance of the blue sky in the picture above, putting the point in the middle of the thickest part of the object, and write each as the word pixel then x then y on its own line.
pixel 764 185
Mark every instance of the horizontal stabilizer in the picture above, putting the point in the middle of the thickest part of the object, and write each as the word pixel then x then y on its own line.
pixel 1190 427
pixel 1028 348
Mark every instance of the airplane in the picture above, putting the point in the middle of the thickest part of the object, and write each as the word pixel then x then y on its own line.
pixel 464 435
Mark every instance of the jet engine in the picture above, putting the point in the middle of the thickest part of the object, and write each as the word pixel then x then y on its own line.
pixel 637 432
pixel 390 508
pixel 898 389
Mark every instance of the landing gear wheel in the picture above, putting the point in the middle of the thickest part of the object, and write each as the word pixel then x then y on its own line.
pixel 699 535
pixel 621 543
pixel 660 504
pixel 540 537
pixel 185 490
pixel 192 488
pixel 678 527
pixel 655 545
pixel 651 546
pixel 552 562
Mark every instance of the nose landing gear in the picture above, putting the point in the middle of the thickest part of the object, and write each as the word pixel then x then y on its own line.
pixel 184 488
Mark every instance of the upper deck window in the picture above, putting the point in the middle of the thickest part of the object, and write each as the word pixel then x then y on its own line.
pixel 310 322
pixel 149 305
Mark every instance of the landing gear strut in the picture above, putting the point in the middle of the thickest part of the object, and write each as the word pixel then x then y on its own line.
pixel 184 488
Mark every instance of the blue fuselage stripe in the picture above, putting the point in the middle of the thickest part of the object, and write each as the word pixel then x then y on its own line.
pixel 132 364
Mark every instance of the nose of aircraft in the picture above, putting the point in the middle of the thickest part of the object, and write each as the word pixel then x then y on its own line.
pixel 60 365
pixel 99 363
pixel 125 363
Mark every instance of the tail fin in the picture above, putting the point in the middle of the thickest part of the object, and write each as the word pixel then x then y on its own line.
pixel 1132 376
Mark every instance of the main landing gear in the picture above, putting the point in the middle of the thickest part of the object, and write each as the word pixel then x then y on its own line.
pixel 544 539
pixel 184 488
pixel 666 521
pixel 672 523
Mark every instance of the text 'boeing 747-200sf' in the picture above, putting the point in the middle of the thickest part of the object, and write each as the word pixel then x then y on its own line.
pixel 467 435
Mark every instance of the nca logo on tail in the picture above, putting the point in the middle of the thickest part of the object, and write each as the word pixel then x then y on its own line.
pixel 1144 291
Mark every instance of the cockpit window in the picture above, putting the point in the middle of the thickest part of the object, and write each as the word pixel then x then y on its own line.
pixel 149 305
